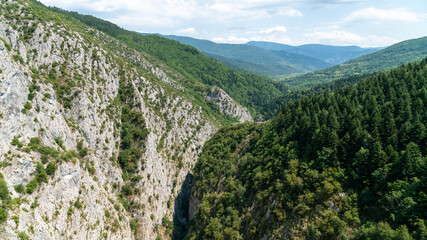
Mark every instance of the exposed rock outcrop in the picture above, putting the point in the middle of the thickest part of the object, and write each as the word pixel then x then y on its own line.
pixel 60 85
pixel 227 105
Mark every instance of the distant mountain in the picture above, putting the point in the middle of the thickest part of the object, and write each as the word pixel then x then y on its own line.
pixel 393 56
pixel 327 53
pixel 254 59
pixel 305 62
pixel 261 69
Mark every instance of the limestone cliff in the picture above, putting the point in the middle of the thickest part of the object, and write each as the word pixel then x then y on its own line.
pixel 227 105
pixel 60 109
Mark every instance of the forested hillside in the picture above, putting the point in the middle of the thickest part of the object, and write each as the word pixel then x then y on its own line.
pixel 385 59
pixel 344 165
pixel 252 91
pixel 252 59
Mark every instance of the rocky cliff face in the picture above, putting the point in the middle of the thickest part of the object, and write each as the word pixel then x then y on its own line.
pixel 59 107
pixel 227 105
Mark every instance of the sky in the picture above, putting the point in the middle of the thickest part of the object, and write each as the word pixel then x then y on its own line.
pixel 365 23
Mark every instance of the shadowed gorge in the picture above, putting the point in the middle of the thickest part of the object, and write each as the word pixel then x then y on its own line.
pixel 180 216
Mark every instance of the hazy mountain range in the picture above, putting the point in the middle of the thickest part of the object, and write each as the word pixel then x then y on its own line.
pixel 275 60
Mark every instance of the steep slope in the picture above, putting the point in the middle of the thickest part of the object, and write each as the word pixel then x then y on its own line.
pixel 393 56
pixel 264 62
pixel 96 138
pixel 254 92
pixel 345 165
pixel 329 54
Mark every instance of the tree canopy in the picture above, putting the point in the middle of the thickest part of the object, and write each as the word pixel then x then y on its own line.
pixel 339 165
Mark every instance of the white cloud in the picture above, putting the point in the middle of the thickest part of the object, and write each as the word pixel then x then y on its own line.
pixel 378 41
pixel 141 20
pixel 291 13
pixel 136 13
pixel 337 37
pixel 231 39
pixel 373 14
pixel 277 29
pixel 273 34
pixel 189 30
pixel 166 12
pixel 242 40
pixel 239 21
pixel 229 11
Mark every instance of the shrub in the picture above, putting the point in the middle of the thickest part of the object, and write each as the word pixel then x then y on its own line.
pixel 78 204
pixel 83 152
pixel 23 236
pixel 28 105
pixel 4 190
pixel 70 211
pixel 34 143
pixel 42 177
pixel 51 168
pixel 79 145
pixel 107 214
pixel 3 214
pixel 31 186
pixel 127 190
pixel 16 142
pixel 20 188
pixel 48 151
pixel 31 96
pixel 60 142
pixel 7 45
pixel 133 225
pixel 35 203
pixel 117 207
pixel 18 58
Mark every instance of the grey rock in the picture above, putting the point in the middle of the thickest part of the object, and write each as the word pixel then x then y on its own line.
pixel 92 118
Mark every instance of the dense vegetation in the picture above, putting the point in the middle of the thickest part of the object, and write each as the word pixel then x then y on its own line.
pixel 297 94
pixel 5 199
pixel 133 135
pixel 347 164
pixel 252 91
pixel 133 131
pixel 393 56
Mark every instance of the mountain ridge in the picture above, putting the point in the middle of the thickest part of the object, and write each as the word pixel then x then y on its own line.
pixel 385 59
pixel 261 59
pixel 328 53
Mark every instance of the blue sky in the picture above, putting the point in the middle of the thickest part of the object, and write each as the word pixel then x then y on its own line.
pixel 366 23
